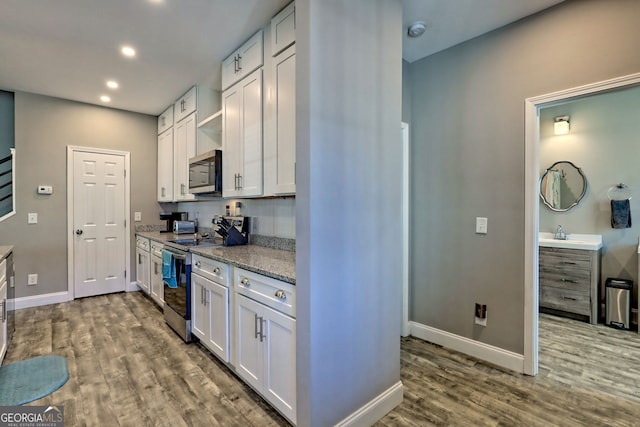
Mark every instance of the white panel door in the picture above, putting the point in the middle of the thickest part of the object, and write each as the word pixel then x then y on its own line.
pixel 217 299
pixel 249 345
pixel 251 155
pixel 99 250
pixel 285 121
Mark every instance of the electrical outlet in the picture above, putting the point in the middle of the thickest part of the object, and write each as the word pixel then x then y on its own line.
pixel 481 314
pixel 137 216
pixel 32 279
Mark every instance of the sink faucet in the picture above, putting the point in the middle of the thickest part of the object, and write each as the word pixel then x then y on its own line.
pixel 560 234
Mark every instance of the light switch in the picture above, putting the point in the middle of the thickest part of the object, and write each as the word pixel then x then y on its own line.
pixel 32 218
pixel 481 225
pixel 137 216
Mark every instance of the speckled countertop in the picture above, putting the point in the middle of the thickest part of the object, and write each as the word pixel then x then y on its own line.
pixel 275 263
pixel 4 251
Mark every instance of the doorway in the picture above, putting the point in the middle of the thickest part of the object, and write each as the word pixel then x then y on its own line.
pixel 97 206
pixel 532 211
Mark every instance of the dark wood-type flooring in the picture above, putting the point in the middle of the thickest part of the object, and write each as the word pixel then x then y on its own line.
pixel 127 368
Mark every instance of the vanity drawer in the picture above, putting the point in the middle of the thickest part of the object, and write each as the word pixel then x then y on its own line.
pixel 568 260
pixel 564 283
pixel 565 300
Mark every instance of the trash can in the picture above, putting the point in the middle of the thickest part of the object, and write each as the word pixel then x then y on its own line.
pixel 618 303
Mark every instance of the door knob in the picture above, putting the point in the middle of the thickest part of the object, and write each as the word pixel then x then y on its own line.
pixel 78 232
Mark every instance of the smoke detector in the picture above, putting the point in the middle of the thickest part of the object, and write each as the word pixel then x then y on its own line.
pixel 416 29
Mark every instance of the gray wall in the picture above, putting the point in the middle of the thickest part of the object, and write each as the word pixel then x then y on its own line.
pixel 44 127
pixel 467 128
pixel 605 143
pixel 348 250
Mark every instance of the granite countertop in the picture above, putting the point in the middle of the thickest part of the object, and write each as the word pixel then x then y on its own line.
pixel 5 251
pixel 275 263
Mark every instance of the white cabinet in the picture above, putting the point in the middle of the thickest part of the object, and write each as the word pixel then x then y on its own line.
pixel 165 166
pixel 165 120
pixel 280 140
pixel 243 61
pixel 199 98
pixel 143 263
pixel 242 137
pixel 184 148
pixel 283 29
pixel 156 284
pixel 210 305
pixel 3 310
pixel 265 338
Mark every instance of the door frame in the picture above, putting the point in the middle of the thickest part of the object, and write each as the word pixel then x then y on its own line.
pixel 71 150
pixel 532 204
pixel 405 330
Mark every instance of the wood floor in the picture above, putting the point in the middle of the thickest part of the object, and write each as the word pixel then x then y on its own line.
pixel 127 368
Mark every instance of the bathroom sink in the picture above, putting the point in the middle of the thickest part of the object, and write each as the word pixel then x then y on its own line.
pixel 590 242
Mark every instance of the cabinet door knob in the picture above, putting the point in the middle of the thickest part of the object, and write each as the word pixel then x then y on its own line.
pixel 79 231
pixel 198 264
pixel 245 281
pixel 281 294
pixel 216 270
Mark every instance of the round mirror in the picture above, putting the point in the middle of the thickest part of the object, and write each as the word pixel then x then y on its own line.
pixel 562 186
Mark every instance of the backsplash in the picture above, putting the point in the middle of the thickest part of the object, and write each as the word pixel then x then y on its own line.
pixel 271 217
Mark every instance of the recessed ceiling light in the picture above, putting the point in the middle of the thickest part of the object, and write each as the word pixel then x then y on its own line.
pixel 416 29
pixel 128 51
pixel 105 98
pixel 112 84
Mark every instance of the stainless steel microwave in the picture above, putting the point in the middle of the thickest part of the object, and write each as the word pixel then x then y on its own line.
pixel 205 173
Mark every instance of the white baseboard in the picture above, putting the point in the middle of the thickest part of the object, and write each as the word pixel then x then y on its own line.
pixel 44 299
pixel 496 355
pixel 132 287
pixel 375 409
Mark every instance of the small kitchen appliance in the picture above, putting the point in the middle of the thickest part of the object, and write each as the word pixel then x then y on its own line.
pixel 184 227
pixel 170 218
pixel 205 174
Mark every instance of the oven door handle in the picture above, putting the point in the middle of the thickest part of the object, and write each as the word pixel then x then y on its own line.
pixel 178 256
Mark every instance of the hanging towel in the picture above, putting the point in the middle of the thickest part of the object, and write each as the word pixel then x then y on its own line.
pixel 552 192
pixel 168 270
pixel 620 214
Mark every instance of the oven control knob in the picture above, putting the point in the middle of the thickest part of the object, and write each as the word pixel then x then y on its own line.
pixel 245 281
pixel 281 294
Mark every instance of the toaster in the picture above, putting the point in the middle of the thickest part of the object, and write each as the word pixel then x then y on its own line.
pixel 184 227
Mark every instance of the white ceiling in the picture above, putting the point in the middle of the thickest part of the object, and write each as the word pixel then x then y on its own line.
pixel 70 48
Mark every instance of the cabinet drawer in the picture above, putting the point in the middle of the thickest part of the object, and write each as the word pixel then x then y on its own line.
pixel 565 300
pixel 211 269
pixel 156 248
pixel 566 259
pixel 271 292
pixel 165 120
pixel 563 283
pixel 142 243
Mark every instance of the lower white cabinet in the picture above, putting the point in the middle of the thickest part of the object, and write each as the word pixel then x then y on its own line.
pixel 156 285
pixel 143 263
pixel 210 305
pixel 265 338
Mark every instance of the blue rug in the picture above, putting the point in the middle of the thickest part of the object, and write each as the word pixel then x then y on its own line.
pixel 29 380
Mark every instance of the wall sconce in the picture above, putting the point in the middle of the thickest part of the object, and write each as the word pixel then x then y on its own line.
pixel 561 125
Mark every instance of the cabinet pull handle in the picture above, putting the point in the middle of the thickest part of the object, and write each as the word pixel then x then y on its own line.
pixel 569 298
pixel 239 63
pixel 569 280
pixel 281 294
pixel 162 192
pixel 245 282
pixel 239 182
pixel 181 188
pixel 255 325
pixel 262 336
pixel 139 259
pixel 155 268
pixel 569 262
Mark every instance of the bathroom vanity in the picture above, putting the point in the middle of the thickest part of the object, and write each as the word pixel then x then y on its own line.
pixel 569 275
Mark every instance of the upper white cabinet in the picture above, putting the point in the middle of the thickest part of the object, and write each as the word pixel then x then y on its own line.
pixel 184 148
pixel 244 60
pixel 165 166
pixel 242 137
pixel 165 120
pixel 283 29
pixel 280 139
pixel 201 99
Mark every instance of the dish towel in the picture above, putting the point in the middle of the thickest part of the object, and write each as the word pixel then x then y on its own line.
pixel 168 270
pixel 620 214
